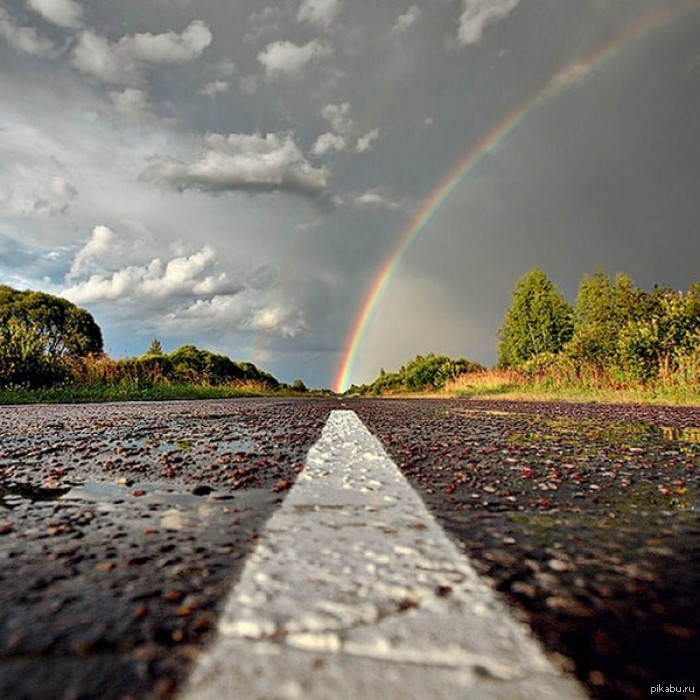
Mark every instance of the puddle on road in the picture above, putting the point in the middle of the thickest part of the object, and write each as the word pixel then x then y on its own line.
pixel 115 492
pixel 146 504
pixel 167 508
pixel 12 495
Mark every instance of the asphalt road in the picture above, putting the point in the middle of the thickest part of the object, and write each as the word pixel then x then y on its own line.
pixel 123 527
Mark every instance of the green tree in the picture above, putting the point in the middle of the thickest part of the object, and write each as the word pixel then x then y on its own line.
pixel 63 328
pixel 189 364
pixel 155 348
pixel 605 310
pixel 38 332
pixel 539 320
pixel 658 342
pixel 429 372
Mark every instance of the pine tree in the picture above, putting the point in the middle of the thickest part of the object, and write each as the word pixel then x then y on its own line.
pixel 155 348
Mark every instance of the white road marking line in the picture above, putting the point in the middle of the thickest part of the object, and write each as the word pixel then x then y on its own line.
pixel 354 591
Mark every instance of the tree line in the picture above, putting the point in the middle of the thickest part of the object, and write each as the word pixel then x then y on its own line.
pixel 614 329
pixel 614 332
pixel 614 335
pixel 46 340
pixel 430 372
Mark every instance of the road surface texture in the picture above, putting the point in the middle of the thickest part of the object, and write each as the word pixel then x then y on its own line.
pixel 354 591
pixel 124 527
pixel 585 517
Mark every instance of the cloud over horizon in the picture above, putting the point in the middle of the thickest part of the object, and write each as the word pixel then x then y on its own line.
pixel 181 276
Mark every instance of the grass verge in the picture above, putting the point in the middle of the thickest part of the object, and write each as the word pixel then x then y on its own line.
pixel 76 393
pixel 512 385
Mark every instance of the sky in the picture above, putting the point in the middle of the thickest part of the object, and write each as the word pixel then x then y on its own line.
pixel 326 187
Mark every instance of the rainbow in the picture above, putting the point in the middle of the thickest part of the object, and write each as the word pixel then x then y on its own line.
pixel 475 155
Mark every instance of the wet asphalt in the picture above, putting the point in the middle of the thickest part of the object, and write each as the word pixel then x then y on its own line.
pixel 123 527
pixel 585 517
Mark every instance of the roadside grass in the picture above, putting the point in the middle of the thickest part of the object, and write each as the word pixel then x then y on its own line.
pixel 133 391
pixel 513 385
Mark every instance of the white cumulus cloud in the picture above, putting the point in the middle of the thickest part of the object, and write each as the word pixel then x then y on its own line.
pixel 242 161
pixel 185 275
pixel 182 276
pixel 284 58
pixel 375 199
pixel 318 12
pixel 101 242
pixel 215 87
pixel 169 47
pixel 24 39
pixel 364 143
pixel 406 20
pixel 122 62
pixel 285 322
pixel 338 116
pixel 478 13
pixel 64 13
pixel 242 311
pixel 328 143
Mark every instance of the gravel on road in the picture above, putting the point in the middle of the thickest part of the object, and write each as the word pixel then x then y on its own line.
pixel 122 528
pixel 585 517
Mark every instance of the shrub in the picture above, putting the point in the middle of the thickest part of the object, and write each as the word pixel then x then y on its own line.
pixel 429 372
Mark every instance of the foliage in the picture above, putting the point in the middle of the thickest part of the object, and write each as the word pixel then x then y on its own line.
pixel 185 365
pixel 298 385
pixel 127 391
pixel 155 348
pixel 640 336
pixel 560 381
pixel 539 320
pixel 38 332
pixel 48 342
pixel 625 340
pixel 429 372
pixel 603 308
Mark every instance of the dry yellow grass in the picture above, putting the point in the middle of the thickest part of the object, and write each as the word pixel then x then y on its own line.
pixel 513 385
pixel 484 382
